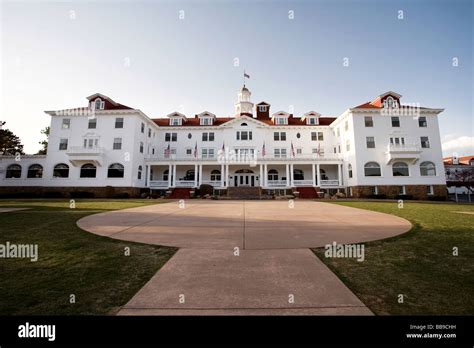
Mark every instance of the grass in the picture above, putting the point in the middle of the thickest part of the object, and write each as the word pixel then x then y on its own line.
pixel 71 261
pixel 419 264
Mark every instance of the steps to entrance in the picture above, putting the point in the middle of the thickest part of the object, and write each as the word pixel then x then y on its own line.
pixel 180 193
pixel 307 192
pixel 244 192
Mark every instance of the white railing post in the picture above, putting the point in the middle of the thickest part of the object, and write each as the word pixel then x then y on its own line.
pixel 170 174
pixel 314 176
pixel 174 175
pixel 287 174
pixel 196 175
pixel 200 175
pixel 292 174
pixel 319 175
pixel 222 175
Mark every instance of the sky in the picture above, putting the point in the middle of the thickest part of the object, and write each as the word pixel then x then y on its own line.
pixel 189 56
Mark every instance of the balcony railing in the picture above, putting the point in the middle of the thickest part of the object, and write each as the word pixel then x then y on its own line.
pixel 242 159
pixel 402 148
pixel 213 183
pixel 324 183
pixel 277 183
pixel 184 183
pixel 303 182
pixel 80 150
pixel 158 183
pixel 406 152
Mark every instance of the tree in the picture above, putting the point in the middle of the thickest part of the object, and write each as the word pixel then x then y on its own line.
pixel 10 144
pixel 465 177
pixel 44 143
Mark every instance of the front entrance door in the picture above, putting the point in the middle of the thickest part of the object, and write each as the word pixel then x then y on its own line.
pixel 244 178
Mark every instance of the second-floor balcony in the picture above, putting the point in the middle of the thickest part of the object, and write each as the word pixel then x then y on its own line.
pixel 405 152
pixel 80 154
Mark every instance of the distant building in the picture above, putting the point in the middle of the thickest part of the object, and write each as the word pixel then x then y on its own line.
pixel 459 174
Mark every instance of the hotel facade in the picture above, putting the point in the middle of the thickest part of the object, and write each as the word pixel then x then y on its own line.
pixel 381 148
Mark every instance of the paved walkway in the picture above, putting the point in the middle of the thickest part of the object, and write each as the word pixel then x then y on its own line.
pixel 274 273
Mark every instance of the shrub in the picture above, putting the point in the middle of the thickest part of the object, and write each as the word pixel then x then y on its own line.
pixel 437 198
pixel 404 197
pixel 206 190
pixel 82 194
pixel 381 196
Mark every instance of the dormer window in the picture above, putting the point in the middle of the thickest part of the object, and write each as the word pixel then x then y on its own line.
pixel 206 121
pixel 281 120
pixel 262 108
pixel 175 122
pixel 99 104
pixel 390 103
pixel 312 120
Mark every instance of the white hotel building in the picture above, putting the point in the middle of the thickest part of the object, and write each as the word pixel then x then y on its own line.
pixel 379 148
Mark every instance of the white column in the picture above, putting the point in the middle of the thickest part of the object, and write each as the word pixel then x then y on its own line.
pixel 287 174
pixel 200 174
pixel 222 175
pixel 170 174
pixel 227 175
pixel 292 181
pixel 339 174
pixel 314 174
pixel 318 171
pixel 261 175
pixel 265 175
pixel 196 175
pixel 174 175
pixel 147 178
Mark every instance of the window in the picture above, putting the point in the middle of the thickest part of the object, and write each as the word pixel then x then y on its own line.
pixel 207 153
pixel 317 136
pixel 429 190
pixel 348 145
pixel 427 169
pixel 215 175
pixel 262 108
pixel 61 170
pixel 299 151
pixel 99 104
pixel 244 135
pixel 312 120
pixel 272 175
pixel 280 153
pixel 372 169
pixel 116 170
pixel 171 137
pixel 189 151
pixel 298 135
pixel 35 171
pixel 279 136
pixel 370 141
pixel 189 174
pixel 166 175
pixel 66 123
pixel 92 123
pixel 88 170
pixel 117 144
pixel 119 122
pixel 349 169
pixel 175 122
pixel 401 190
pixel 142 127
pixel 190 135
pixel 149 132
pixel 425 142
pixel 368 121
pixel 281 120
pixel 169 152
pixel 346 125
pixel 395 121
pixel 374 190
pixel 140 169
pixel 400 169
pixel 298 174
pixel 397 141
pixel 141 147
pixel 63 144
pixel 208 136
pixel 13 171
pixel 338 133
pixel 422 121
pixel 206 121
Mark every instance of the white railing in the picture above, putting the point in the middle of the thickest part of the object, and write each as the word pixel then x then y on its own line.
pixel 185 183
pixel 242 159
pixel 80 150
pixel 303 182
pixel 403 148
pixel 277 183
pixel 329 183
pixel 158 183
pixel 213 183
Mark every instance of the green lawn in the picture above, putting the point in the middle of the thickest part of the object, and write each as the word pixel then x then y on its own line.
pixel 71 261
pixel 419 264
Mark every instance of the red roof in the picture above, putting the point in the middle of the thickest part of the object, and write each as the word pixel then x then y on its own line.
pixel 464 160
pixel 292 121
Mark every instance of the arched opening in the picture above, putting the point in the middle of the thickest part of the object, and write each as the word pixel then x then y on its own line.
pixel 13 171
pixel 372 169
pixel 88 170
pixel 116 170
pixel 35 171
pixel 61 170
pixel 215 175
pixel 427 169
pixel 272 175
pixel 400 169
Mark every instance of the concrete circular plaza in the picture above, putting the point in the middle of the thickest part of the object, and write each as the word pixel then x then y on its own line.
pixel 274 260
pixel 250 225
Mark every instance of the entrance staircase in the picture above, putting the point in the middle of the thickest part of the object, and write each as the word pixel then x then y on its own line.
pixel 307 192
pixel 180 193
pixel 244 192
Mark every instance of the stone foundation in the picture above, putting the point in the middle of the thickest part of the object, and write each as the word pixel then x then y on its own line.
pixel 70 192
pixel 391 192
